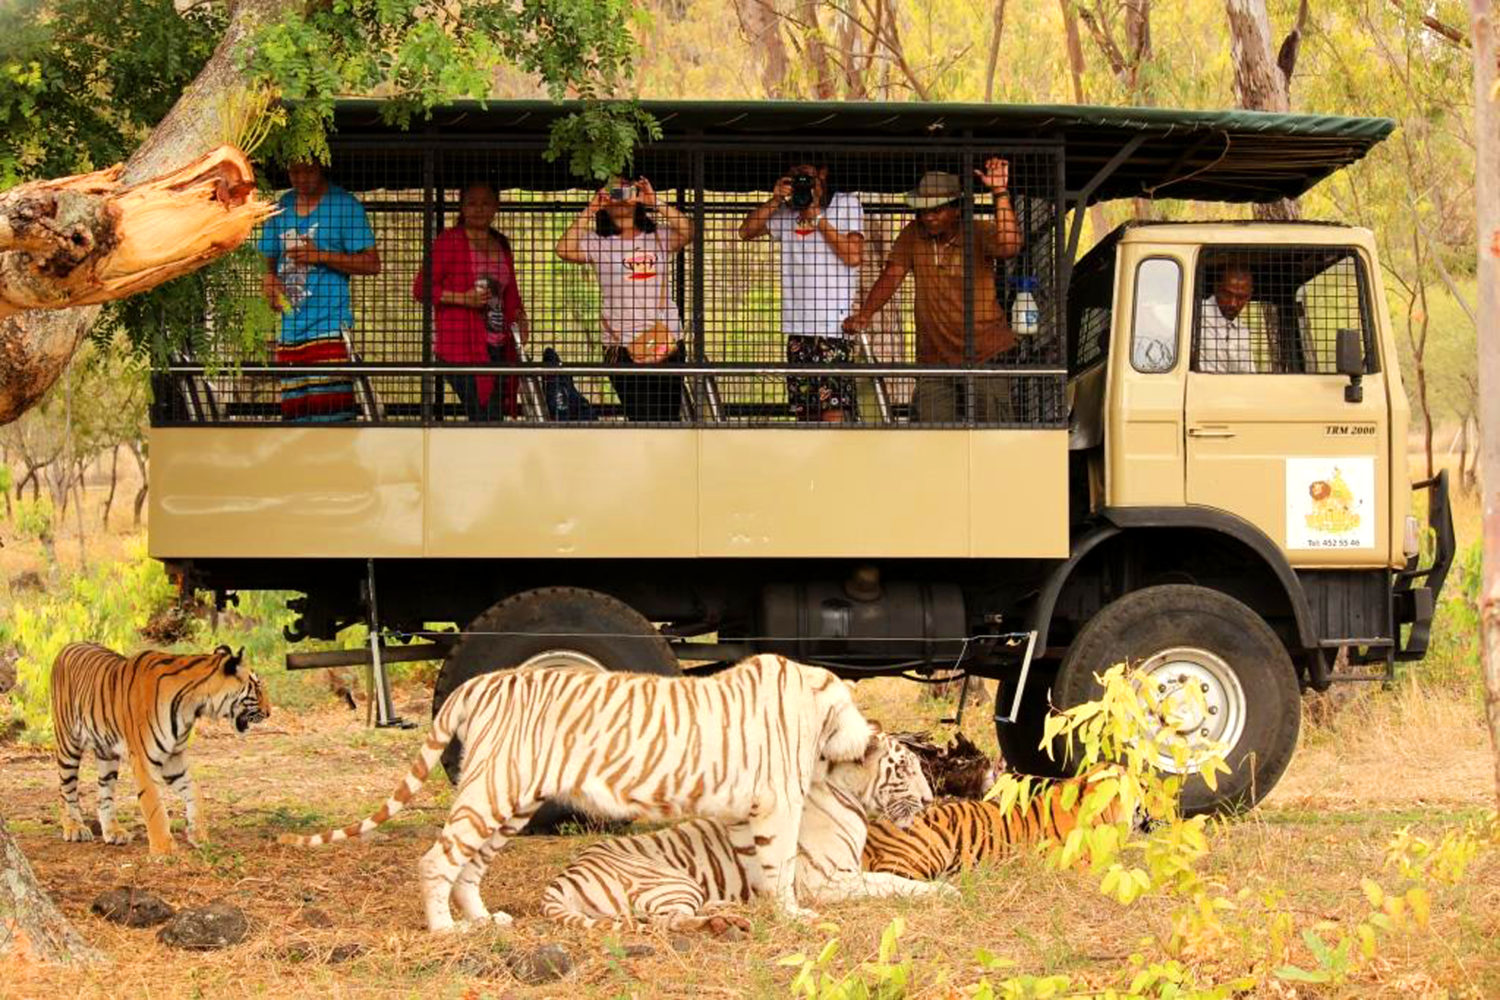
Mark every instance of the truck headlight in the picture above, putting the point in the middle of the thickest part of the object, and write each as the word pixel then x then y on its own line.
pixel 1411 544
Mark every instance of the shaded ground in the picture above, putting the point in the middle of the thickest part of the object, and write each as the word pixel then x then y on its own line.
pixel 345 921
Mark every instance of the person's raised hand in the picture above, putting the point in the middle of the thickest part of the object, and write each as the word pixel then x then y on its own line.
pixel 995 175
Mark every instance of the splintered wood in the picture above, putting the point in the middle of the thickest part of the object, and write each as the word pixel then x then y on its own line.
pixel 86 239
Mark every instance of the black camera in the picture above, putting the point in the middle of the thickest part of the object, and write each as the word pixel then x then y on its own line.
pixel 802 190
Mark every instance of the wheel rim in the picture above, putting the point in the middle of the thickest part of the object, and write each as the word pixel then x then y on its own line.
pixel 561 658
pixel 1213 716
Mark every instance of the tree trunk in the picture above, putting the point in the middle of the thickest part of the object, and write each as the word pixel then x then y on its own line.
pixel 815 50
pixel 1258 82
pixel 140 494
pixel 760 23
pixel 114 481
pixel 36 345
pixel 997 31
pixel 1485 32
pixel 31 927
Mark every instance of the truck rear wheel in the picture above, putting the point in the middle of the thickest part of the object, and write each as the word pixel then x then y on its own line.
pixel 1186 636
pixel 552 626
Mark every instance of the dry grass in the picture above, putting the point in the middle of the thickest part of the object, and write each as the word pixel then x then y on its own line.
pixel 345 921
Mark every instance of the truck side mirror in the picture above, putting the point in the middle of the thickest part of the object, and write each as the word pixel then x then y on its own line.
pixel 1350 360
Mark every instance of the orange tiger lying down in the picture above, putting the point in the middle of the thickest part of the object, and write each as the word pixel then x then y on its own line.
pixel 956 834
pixel 741 746
pixel 145 704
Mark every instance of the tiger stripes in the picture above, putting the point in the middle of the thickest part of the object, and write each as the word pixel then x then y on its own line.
pixel 741 745
pixel 676 879
pixel 956 834
pixel 144 706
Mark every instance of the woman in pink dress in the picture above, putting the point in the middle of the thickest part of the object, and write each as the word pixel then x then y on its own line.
pixel 477 308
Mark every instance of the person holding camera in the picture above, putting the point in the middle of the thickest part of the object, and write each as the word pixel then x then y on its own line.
pixel 933 246
pixel 630 238
pixel 477 316
pixel 821 233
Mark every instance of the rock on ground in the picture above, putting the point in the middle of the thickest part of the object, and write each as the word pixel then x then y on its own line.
pixel 204 928
pixel 542 964
pixel 132 907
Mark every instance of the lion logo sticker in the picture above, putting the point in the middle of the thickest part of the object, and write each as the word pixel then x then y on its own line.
pixel 1330 503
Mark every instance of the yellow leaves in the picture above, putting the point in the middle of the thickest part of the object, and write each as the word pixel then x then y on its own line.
pixel 1372 892
pixel 1419 902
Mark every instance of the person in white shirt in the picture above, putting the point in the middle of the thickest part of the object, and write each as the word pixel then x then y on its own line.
pixel 822 244
pixel 1224 338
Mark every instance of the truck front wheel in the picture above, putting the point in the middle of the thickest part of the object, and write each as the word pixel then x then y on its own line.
pixel 1184 637
pixel 552 626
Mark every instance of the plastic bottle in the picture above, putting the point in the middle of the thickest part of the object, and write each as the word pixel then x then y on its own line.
pixel 294 276
pixel 1024 315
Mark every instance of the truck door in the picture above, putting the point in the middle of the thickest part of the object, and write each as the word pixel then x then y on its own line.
pixel 1271 434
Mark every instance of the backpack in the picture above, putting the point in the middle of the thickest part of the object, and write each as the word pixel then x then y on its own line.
pixel 564 401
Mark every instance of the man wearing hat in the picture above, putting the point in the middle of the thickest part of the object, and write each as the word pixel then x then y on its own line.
pixel 933 246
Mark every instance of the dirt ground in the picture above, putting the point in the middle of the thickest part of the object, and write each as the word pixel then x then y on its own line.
pixel 345 921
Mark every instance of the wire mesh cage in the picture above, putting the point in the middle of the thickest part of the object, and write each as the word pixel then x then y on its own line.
pixel 725 283
pixel 1277 310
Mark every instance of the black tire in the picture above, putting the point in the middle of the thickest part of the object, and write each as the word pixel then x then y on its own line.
pixel 1020 741
pixel 1195 620
pixel 534 622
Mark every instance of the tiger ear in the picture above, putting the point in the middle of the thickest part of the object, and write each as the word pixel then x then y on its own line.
pixel 232 660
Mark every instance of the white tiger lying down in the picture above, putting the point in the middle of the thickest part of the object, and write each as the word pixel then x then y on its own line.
pixel 741 746
pixel 673 878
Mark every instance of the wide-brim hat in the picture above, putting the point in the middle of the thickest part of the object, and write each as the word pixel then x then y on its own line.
pixel 935 189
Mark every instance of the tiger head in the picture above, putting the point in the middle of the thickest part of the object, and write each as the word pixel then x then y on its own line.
pixel 238 695
pixel 888 780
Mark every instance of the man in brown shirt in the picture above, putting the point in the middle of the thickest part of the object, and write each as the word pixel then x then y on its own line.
pixel 933 246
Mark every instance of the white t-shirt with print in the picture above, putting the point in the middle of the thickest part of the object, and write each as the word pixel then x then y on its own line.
pixel 635 283
pixel 817 289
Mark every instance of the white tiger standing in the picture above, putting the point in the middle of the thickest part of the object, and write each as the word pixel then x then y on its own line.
pixel 741 746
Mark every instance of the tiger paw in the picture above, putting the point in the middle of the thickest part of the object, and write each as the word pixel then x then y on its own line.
pixel 77 834
pixel 945 891
pixel 115 835
pixel 728 927
pixel 497 919
pixel 198 837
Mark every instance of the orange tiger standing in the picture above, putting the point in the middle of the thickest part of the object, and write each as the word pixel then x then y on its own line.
pixel 144 705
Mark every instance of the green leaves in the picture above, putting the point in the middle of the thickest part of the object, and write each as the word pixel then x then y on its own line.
pixel 416 57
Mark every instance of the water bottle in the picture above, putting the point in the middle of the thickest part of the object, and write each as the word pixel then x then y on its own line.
pixel 1024 316
pixel 494 311
pixel 294 276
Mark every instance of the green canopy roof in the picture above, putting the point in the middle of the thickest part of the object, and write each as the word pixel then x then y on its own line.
pixel 1236 156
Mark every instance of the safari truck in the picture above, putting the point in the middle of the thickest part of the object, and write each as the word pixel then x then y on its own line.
pixel 1198 463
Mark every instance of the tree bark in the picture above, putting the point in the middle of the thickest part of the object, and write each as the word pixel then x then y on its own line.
pixel 1484 24
pixel 36 345
pixel 997 30
pixel 114 481
pixel 760 23
pixel 1258 82
pixel 140 495
pixel 32 929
